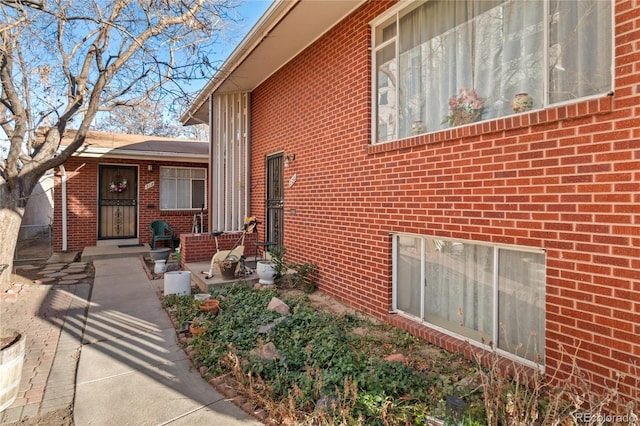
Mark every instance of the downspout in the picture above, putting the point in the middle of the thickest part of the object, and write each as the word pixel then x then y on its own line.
pixel 64 208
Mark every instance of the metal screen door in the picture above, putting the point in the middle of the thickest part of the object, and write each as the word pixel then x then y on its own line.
pixel 275 200
pixel 117 202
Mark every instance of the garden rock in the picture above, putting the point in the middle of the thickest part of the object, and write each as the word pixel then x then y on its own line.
pixel 265 329
pixel 360 331
pixel 395 358
pixel 268 351
pixel 465 383
pixel 279 306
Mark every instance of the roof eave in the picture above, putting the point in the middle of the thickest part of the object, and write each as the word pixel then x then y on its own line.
pixel 138 155
pixel 284 30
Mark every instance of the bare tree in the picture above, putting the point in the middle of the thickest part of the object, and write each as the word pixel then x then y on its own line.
pixel 61 61
pixel 146 118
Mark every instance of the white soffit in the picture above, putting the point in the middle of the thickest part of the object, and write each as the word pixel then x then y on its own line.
pixel 278 37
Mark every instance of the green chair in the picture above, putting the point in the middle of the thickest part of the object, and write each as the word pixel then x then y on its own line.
pixel 161 231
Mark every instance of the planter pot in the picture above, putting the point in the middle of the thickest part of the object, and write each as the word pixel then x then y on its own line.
pixel 160 266
pixel 463 117
pixel 522 103
pixel 211 305
pixel 418 127
pixel 228 269
pixel 12 349
pixel 266 272
pixel 201 297
pixel 159 254
pixel 195 329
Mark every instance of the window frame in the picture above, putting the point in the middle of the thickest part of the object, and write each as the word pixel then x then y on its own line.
pixel 403 7
pixel 191 180
pixel 496 331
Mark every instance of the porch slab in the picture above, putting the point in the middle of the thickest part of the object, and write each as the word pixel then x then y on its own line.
pixel 90 254
pixel 198 277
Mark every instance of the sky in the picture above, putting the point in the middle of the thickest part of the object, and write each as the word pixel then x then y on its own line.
pixel 249 11
pixel 248 14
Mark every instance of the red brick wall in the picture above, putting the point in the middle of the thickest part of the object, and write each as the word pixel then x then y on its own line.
pixel 200 247
pixel 564 179
pixel 82 202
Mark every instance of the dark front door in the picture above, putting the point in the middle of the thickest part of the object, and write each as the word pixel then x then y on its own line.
pixel 117 202
pixel 275 199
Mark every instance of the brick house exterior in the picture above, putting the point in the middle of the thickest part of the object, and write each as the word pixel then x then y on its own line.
pixel 144 154
pixel 564 179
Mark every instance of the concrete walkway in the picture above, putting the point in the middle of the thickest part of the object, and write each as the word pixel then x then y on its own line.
pixel 131 369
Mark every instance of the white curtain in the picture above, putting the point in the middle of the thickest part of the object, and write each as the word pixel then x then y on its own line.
pixel 167 188
pixel 461 283
pixel 497 49
pixel 409 274
pixel 521 285
pixel 459 288
pixel 579 55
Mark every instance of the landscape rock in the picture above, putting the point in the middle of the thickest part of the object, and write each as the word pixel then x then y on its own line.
pixel 265 329
pixel 395 358
pixel 267 351
pixel 279 306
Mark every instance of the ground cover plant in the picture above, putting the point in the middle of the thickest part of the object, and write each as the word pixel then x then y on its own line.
pixel 331 367
pixel 319 366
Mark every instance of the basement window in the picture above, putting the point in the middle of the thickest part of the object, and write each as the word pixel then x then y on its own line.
pixel 491 295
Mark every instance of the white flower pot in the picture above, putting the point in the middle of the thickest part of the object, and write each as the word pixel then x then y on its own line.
pixel 266 272
pixel 160 267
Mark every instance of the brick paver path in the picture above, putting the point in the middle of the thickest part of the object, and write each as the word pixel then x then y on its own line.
pixel 52 318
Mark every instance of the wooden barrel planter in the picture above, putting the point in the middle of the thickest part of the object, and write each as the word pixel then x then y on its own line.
pixel 12 350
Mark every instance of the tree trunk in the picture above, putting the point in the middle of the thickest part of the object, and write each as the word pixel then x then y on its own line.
pixel 12 205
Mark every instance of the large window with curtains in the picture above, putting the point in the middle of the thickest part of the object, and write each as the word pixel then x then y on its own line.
pixel 427 52
pixel 489 294
pixel 182 188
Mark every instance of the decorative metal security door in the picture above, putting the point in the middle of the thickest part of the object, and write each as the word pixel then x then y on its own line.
pixel 117 202
pixel 275 200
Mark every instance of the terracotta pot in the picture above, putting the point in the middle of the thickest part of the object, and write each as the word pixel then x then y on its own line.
pixel 210 305
pixel 195 330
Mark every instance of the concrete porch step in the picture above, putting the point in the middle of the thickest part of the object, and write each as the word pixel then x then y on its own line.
pixel 90 254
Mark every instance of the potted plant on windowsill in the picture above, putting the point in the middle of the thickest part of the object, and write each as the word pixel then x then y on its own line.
pixel 464 108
